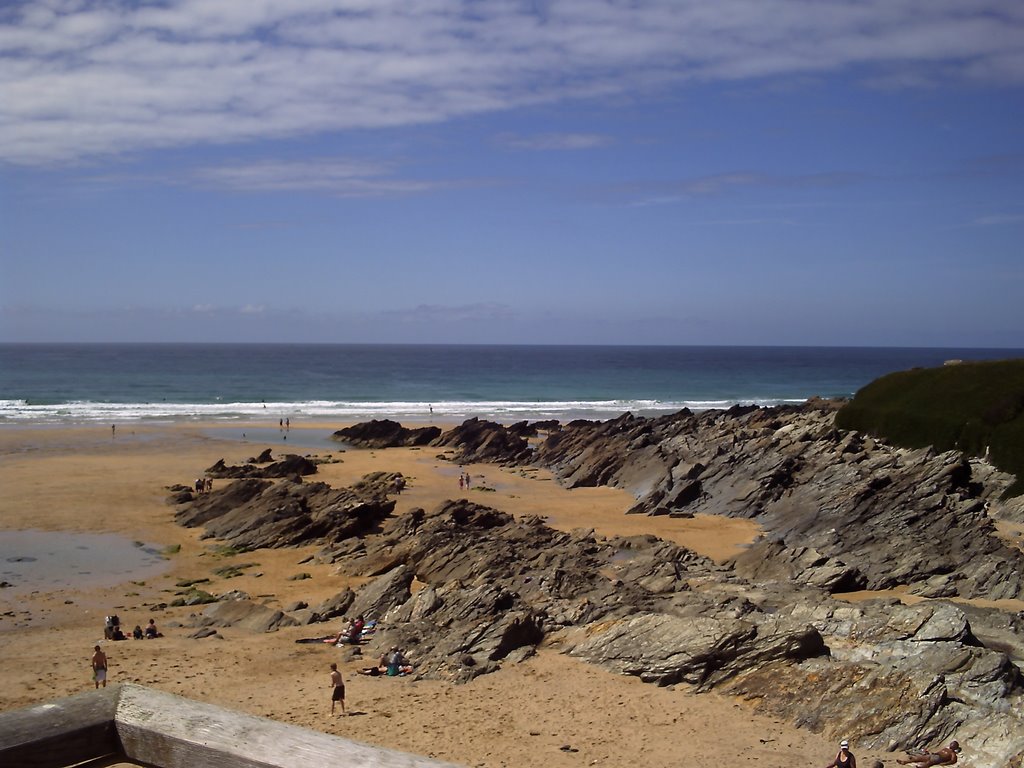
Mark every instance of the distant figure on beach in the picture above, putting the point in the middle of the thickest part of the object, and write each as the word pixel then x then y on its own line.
pixel 844 758
pixel 287 423
pixel 152 631
pixel 137 632
pixel 99 667
pixel 113 430
pixel 461 482
pixel 943 756
pixel 338 694
pixel 431 407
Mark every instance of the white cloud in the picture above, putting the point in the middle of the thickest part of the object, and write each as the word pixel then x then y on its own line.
pixel 79 79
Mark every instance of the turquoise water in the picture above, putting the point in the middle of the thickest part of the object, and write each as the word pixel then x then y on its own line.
pixel 115 383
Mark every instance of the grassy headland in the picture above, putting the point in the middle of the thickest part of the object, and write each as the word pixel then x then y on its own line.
pixel 972 407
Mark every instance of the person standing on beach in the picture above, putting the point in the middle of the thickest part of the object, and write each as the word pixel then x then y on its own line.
pixel 338 695
pixel 99 667
pixel 845 758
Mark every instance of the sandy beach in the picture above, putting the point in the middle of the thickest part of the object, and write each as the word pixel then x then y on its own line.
pixel 550 709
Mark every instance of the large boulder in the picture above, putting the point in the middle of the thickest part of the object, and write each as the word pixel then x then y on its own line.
pixel 246 614
pixel 384 433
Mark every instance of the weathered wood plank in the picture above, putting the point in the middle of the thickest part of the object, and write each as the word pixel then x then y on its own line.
pixel 169 731
pixel 61 732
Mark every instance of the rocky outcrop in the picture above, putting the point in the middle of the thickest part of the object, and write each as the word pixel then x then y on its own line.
pixel 465 588
pixel 262 466
pixel 260 513
pixel 245 614
pixel 840 511
pixel 476 440
pixel 384 433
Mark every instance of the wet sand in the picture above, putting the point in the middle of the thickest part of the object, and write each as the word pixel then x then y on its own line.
pixel 550 710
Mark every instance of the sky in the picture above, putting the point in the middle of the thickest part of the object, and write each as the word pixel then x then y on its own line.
pixel 750 172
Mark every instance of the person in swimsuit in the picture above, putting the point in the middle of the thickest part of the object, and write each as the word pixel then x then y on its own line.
pixel 844 758
pixel 99 667
pixel 338 695
pixel 943 756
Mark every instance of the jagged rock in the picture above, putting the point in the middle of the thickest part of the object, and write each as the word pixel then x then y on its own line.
pixel 702 650
pixel 838 512
pixel 335 606
pixel 383 594
pixel 246 614
pixel 475 440
pixel 384 433
pixel 257 513
pixel 289 466
pixel 804 481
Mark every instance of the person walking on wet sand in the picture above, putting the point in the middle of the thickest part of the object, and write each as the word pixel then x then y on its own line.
pixel 844 758
pixel 338 695
pixel 924 758
pixel 99 667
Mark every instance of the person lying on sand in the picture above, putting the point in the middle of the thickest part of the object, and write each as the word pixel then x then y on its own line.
pixel 943 756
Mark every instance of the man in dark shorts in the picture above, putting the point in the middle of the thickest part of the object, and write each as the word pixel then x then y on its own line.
pixel 338 696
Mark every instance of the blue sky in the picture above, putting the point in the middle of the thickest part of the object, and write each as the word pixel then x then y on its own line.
pixel 572 171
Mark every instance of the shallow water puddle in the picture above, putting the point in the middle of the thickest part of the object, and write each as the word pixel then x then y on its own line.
pixel 51 560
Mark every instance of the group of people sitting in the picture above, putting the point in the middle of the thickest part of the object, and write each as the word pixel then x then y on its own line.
pixel 112 630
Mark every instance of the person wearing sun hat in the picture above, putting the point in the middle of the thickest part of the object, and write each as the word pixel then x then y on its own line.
pixel 844 758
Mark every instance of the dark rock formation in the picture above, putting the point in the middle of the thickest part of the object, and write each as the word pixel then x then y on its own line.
pixel 288 466
pixel 475 440
pixel 840 511
pixel 260 513
pixel 465 588
pixel 384 433
pixel 246 614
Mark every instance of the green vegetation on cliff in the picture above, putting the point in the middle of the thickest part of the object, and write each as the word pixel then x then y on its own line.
pixel 971 407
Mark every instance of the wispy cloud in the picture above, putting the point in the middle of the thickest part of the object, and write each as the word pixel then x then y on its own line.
pixel 440 314
pixel 345 178
pixel 647 193
pixel 998 219
pixel 80 79
pixel 554 141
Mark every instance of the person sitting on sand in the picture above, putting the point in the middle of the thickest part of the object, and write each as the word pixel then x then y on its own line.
pixel 353 633
pixel 844 758
pixel 398 664
pixel 137 632
pixel 943 756
pixel 151 630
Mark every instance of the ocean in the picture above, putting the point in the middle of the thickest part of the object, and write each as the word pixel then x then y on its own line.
pixel 117 383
